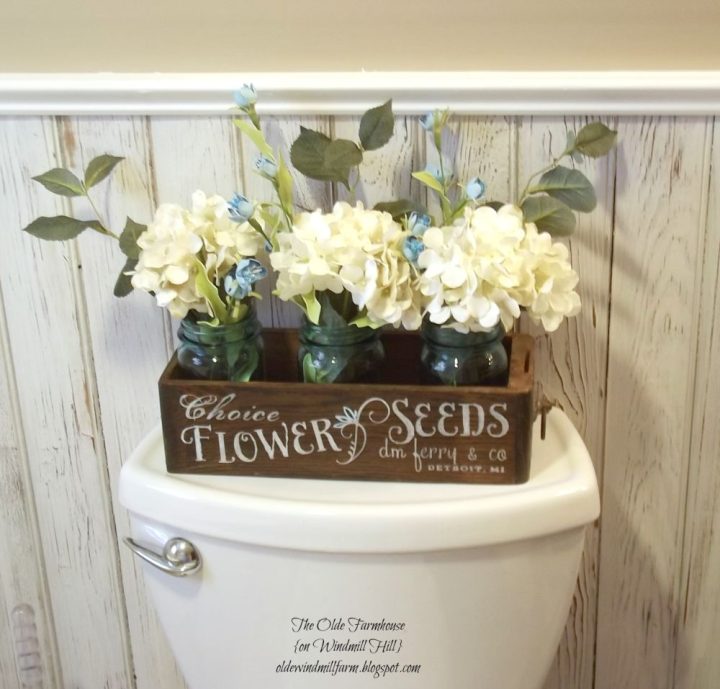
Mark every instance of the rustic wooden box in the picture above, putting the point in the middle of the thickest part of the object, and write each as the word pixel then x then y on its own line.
pixel 396 430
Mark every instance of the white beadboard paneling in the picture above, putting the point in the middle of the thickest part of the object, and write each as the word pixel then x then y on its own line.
pixel 572 365
pixel 659 224
pixel 130 351
pixel 53 365
pixel 86 366
pixel 22 571
pixel 312 93
pixel 481 147
pixel 697 659
pixel 280 132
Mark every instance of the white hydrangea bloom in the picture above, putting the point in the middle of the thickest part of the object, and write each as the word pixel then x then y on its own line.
pixel 468 270
pixel 482 269
pixel 177 237
pixel 353 249
pixel 551 295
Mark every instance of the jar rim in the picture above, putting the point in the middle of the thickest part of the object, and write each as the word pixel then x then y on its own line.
pixel 341 335
pixel 200 332
pixel 449 337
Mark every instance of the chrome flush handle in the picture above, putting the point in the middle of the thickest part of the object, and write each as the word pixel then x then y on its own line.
pixel 179 557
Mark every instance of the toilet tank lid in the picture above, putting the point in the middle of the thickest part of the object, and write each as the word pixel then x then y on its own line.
pixel 368 516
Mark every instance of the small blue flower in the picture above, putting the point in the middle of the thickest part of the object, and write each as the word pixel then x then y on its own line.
pixel 266 167
pixel 435 171
pixel 240 280
pixel 418 222
pixel 246 96
pixel 475 188
pixel 412 248
pixel 427 121
pixel 240 208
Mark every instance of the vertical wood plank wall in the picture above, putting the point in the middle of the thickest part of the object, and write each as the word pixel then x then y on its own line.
pixel 638 372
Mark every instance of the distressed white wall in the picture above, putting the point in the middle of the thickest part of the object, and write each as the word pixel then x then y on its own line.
pixel 637 371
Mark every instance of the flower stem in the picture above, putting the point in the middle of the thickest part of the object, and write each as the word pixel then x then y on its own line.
pixel 554 163
pixel 99 217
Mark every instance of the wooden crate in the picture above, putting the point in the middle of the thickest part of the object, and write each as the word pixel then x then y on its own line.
pixel 396 430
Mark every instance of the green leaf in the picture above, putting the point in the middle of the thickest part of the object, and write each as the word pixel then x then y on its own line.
pixel 285 185
pixel 319 157
pixel 307 152
pixel 595 139
pixel 209 292
pixel 129 237
pixel 550 215
pixel 569 186
pixel 123 285
pixel 340 156
pixel 253 359
pixel 309 371
pixel 61 181
pixel 99 168
pixel 312 307
pixel 329 315
pixel 363 322
pixel 399 208
pixel 376 126
pixel 429 181
pixel 57 228
pixel 256 136
pixel 570 144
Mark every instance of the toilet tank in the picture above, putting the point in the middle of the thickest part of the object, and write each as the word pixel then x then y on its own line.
pixel 308 583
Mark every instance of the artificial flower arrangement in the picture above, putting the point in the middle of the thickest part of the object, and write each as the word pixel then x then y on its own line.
pixel 462 276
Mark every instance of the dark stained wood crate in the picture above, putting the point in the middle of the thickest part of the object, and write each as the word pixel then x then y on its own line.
pixel 396 430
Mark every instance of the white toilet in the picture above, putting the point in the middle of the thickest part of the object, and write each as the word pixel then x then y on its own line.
pixel 304 584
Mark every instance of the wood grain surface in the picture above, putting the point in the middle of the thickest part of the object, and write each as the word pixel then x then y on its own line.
pixel 572 366
pixel 129 343
pixel 393 430
pixel 52 359
pixel 662 182
pixel 697 662
pixel 637 371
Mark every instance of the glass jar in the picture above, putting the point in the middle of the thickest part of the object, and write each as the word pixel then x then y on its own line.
pixel 452 358
pixel 339 354
pixel 232 351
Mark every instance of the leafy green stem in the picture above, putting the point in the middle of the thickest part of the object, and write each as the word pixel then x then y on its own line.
pixel 101 226
pixel 547 168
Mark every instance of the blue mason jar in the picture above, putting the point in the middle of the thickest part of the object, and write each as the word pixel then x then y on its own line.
pixel 232 351
pixel 339 354
pixel 452 358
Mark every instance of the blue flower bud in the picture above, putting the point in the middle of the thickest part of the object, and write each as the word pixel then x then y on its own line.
pixel 417 223
pixel 239 281
pixel 412 248
pixel 435 171
pixel 240 208
pixel 475 188
pixel 427 121
pixel 246 96
pixel 266 167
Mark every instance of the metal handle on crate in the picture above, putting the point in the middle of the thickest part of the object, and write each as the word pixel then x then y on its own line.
pixel 179 557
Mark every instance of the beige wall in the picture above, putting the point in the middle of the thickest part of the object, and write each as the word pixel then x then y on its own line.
pixel 281 35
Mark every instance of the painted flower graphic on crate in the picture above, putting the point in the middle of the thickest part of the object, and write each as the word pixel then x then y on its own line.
pixel 348 416
pixel 349 424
